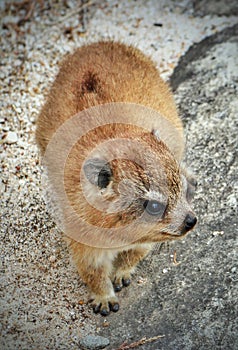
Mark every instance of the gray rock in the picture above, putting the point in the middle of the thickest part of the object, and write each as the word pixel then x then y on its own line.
pixel 94 342
pixel 215 7
pixel 185 72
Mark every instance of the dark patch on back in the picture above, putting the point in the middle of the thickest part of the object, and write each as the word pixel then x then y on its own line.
pixel 90 83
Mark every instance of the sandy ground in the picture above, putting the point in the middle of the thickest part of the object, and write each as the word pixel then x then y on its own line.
pixel 43 301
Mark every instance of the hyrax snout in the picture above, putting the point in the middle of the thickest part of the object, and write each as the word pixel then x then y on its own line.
pixel 112 143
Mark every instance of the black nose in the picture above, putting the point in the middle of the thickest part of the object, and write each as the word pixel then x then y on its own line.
pixel 190 221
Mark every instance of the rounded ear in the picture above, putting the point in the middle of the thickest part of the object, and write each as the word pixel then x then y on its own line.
pixel 98 172
pixel 191 184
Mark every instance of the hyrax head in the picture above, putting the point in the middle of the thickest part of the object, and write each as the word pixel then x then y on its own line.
pixel 131 181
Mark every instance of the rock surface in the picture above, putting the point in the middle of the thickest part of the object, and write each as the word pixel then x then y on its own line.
pixel 215 7
pixel 94 342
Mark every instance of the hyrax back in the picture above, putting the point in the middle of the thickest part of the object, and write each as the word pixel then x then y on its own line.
pixel 101 73
pixel 121 176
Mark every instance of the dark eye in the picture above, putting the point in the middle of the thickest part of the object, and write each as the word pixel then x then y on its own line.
pixel 154 208
pixel 104 177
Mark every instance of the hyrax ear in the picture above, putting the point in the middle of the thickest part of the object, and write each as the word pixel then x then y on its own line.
pixel 98 172
pixel 191 184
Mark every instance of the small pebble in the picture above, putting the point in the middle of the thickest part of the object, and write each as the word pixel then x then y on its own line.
pixel 217 233
pixel 52 258
pixel 94 342
pixel 142 280
pixel 11 137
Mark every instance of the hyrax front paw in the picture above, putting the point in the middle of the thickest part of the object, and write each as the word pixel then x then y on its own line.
pixel 121 280
pixel 104 305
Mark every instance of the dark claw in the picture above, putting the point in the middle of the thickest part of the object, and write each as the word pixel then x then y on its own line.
pixel 115 307
pixel 104 312
pixel 96 309
pixel 126 282
pixel 117 287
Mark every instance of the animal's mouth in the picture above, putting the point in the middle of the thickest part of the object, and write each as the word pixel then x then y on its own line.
pixel 174 234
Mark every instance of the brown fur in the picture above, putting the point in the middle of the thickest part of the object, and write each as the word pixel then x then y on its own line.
pixel 101 73
pixel 96 75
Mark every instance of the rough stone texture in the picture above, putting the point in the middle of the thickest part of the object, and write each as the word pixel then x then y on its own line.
pixel 94 342
pixel 199 51
pixel 215 7
pixel 194 304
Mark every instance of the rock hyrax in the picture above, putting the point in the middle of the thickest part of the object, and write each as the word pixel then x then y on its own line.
pixel 112 142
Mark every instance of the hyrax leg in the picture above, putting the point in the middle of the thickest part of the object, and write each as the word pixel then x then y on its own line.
pixel 94 266
pixel 124 264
